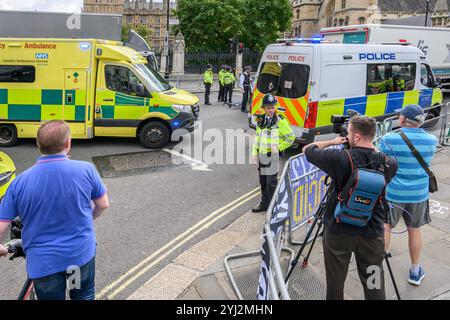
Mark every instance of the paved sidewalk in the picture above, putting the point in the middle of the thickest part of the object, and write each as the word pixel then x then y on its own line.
pixel 199 273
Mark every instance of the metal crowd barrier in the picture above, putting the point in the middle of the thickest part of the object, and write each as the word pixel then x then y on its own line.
pixel 191 82
pixel 443 136
pixel 278 289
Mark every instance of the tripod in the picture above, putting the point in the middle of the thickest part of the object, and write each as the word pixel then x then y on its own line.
pixel 318 221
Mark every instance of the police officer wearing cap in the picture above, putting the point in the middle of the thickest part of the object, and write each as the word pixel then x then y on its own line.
pixel 208 80
pixel 245 85
pixel 273 135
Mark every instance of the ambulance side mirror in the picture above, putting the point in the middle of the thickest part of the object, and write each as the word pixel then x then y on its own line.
pixel 141 91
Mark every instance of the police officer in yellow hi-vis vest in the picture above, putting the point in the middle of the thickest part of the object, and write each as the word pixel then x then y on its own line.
pixel 273 135
pixel 228 80
pixel 221 85
pixel 208 80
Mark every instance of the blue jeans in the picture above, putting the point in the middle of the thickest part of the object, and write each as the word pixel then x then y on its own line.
pixel 53 287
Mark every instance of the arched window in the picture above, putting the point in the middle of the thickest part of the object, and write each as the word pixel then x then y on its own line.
pixel 346 21
pixel 341 22
pixel 361 20
pixel 343 4
pixel 297 14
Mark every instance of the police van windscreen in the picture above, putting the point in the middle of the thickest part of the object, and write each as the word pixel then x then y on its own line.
pixel 287 80
pixel 156 82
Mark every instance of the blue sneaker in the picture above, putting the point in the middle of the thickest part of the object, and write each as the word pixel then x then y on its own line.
pixel 415 278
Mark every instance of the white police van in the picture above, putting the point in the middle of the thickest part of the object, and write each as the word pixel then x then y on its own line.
pixel 313 80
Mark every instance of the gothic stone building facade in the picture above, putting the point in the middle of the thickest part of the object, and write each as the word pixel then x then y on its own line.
pixel 135 12
pixel 309 16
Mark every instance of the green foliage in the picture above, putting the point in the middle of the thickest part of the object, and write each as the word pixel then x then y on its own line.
pixel 268 19
pixel 207 25
pixel 143 30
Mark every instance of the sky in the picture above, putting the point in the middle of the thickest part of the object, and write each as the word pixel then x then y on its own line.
pixel 43 5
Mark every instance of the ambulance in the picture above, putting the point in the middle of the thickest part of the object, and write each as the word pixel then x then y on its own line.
pixel 314 80
pixel 100 87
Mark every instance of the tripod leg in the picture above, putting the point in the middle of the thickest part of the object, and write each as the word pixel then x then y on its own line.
pixel 387 255
pixel 295 261
pixel 305 260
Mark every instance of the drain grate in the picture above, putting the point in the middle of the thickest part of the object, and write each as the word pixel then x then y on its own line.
pixel 304 283
pixel 134 163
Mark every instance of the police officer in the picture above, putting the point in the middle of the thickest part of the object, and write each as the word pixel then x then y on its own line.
pixel 228 80
pixel 208 80
pixel 273 136
pixel 244 84
pixel 221 85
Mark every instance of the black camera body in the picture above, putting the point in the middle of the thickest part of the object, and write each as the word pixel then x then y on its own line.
pixel 340 122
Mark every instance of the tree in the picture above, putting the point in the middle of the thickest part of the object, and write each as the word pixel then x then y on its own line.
pixel 267 19
pixel 125 30
pixel 207 25
pixel 143 30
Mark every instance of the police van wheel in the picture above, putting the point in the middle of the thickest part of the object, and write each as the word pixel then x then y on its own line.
pixel 154 135
pixel 8 135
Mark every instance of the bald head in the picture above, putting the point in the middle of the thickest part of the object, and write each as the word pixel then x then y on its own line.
pixel 53 137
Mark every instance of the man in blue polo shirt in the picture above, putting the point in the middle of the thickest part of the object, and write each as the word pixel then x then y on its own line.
pixel 408 190
pixel 57 201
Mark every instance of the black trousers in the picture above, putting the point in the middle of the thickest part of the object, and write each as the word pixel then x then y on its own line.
pixel 245 97
pixel 268 185
pixel 221 92
pixel 228 93
pixel 207 92
pixel 369 255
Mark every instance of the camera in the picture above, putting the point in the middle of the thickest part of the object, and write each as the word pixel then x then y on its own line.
pixel 340 122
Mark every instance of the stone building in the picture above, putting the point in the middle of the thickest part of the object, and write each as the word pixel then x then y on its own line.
pixel 440 16
pixel 309 16
pixel 151 13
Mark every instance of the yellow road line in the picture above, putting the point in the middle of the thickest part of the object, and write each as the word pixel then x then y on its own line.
pixel 172 243
pixel 148 267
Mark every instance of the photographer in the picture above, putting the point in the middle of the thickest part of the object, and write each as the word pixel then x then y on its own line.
pixel 341 238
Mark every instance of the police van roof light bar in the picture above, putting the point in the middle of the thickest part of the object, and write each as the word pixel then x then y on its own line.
pixel 289 41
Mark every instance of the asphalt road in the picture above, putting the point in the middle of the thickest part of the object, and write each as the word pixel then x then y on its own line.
pixel 151 211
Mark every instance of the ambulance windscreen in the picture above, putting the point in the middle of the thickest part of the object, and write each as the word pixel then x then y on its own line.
pixel 287 80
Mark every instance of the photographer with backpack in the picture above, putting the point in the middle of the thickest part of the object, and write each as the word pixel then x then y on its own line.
pixel 353 220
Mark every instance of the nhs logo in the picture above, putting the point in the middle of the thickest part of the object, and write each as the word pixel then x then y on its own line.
pixel 41 56
pixel 377 56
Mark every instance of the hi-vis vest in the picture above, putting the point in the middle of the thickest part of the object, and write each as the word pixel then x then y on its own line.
pixel 280 134
pixel 221 74
pixel 208 77
pixel 228 78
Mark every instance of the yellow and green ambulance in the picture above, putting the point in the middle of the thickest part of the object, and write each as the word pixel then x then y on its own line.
pixel 100 87
pixel 314 80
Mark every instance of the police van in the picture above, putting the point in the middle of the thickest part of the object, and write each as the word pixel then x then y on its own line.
pixel 100 87
pixel 313 80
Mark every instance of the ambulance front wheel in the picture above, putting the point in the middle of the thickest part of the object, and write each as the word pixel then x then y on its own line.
pixel 154 135
pixel 8 135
